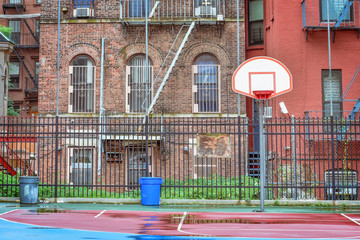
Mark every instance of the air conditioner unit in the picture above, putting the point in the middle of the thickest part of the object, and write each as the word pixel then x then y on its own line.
pixel 205 11
pixel 82 12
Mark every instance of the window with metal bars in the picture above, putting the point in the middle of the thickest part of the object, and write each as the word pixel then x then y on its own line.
pixel 137 8
pixel 335 9
pixel 206 85
pixel 205 8
pixel 81 88
pixel 81 167
pixel 138 84
pixel 331 89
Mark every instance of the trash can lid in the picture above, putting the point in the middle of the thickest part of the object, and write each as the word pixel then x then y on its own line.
pixel 29 179
pixel 150 180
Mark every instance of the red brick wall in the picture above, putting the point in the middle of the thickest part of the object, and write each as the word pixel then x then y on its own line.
pixel 286 41
pixel 84 37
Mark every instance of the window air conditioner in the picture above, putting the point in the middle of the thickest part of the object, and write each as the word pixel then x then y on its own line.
pixel 205 11
pixel 82 12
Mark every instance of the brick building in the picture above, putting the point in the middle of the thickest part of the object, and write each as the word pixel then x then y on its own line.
pixel 24 19
pixel 192 54
pixel 295 33
pixel 210 49
pixel 6 47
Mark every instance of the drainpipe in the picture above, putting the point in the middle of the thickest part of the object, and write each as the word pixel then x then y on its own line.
pixel 329 47
pixel 101 112
pixel 58 62
pixel 238 44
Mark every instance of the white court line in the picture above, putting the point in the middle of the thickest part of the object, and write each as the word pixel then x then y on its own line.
pixel 353 220
pixel 100 214
pixel 182 222
pixel 8 212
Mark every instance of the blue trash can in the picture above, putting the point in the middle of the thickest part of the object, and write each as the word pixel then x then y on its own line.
pixel 150 190
pixel 29 189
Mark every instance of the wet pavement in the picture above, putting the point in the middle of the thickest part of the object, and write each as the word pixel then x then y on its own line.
pixel 119 221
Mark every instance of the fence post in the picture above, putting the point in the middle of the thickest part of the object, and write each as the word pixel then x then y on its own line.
pixel 147 145
pixel 239 154
pixel 56 154
pixel 332 156
pixel 293 138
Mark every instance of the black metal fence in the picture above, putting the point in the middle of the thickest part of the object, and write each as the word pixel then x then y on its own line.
pixel 198 158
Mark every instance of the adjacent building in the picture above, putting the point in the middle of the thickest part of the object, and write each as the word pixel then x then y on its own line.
pixel 296 33
pixel 24 19
pixel 6 47
pixel 318 41
pixel 132 59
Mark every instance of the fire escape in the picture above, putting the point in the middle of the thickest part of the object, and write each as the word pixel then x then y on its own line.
pixel 14 157
pixel 182 17
pixel 343 15
pixel 16 9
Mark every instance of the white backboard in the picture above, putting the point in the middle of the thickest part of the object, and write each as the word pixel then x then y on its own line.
pixel 262 74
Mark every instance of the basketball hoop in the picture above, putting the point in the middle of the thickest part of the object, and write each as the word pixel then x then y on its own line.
pixel 263 95
pixel 262 78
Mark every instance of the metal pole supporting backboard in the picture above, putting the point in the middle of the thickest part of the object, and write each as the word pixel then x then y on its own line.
pixel 262 154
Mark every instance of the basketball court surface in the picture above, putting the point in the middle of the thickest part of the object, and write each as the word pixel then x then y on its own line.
pixel 143 222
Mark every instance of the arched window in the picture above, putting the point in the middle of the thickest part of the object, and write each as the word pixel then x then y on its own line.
pixel 206 86
pixel 81 87
pixel 138 84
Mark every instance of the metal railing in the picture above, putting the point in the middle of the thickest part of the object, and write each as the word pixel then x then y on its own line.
pixel 198 158
pixel 14 2
pixel 25 39
pixel 173 9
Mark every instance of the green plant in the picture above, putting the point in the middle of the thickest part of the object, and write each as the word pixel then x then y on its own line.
pixel 5 189
pixel 11 111
pixel 6 30
pixel 214 187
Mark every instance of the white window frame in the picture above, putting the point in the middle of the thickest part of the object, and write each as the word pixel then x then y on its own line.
pixel 72 88
pixel 205 8
pixel 336 87
pixel 195 89
pixel 70 166
pixel 15 71
pixel 130 91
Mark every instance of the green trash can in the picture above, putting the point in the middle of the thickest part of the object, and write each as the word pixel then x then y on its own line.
pixel 150 190
pixel 29 189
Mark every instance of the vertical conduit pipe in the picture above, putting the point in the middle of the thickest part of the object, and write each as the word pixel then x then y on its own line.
pixel 329 47
pixel 238 44
pixel 58 62
pixel 101 112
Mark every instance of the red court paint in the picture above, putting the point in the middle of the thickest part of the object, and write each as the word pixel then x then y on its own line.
pixel 251 225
